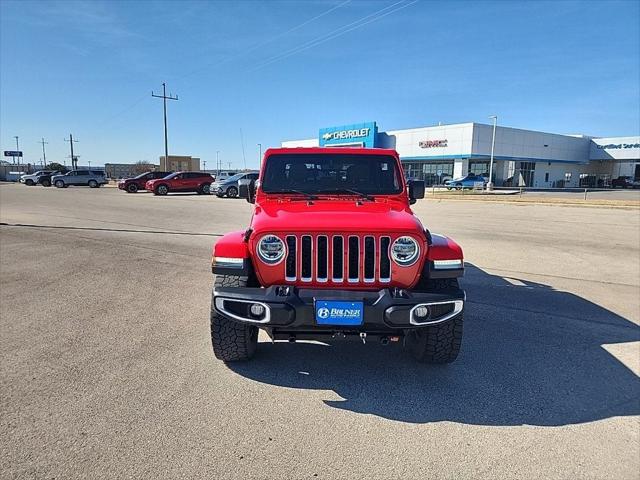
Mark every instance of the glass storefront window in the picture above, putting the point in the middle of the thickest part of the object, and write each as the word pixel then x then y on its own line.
pixel 431 173
pixel 479 168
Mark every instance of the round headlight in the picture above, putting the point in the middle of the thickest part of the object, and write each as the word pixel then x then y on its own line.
pixel 270 249
pixel 404 251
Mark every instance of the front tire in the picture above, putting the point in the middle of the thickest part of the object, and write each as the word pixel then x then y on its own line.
pixel 59 184
pixel 29 182
pixel 162 190
pixel 231 341
pixel 232 192
pixel 132 188
pixel 437 344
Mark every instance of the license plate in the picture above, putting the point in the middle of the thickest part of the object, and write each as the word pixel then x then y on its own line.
pixel 330 312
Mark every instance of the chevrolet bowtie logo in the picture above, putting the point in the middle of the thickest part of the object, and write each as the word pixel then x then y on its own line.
pixel 327 136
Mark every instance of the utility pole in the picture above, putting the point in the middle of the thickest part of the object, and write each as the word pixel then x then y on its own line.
pixel 229 165
pixel 17 149
pixel 164 103
pixel 493 144
pixel 259 155
pixel 44 154
pixel 205 165
pixel 74 161
pixel 218 161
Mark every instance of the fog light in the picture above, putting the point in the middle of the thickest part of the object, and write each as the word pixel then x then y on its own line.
pixel 421 312
pixel 257 310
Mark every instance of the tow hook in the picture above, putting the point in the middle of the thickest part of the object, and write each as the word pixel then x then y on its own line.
pixel 363 336
pixel 384 340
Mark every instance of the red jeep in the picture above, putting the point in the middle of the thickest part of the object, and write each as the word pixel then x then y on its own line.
pixel 181 182
pixel 334 250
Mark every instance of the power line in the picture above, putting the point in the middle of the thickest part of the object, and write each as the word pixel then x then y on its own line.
pixel 266 42
pixel 164 98
pixel 337 32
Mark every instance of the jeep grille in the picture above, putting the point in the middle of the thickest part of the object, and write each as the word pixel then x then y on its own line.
pixel 353 259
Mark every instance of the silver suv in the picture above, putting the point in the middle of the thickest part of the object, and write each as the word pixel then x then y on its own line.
pixel 91 178
pixel 230 187
pixel 36 177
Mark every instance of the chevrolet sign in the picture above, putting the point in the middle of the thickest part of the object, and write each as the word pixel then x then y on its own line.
pixel 346 134
pixel 432 143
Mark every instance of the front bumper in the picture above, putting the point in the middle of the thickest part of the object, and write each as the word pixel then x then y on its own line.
pixel 292 309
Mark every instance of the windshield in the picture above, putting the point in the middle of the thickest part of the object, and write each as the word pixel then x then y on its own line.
pixel 142 175
pixel 326 173
pixel 171 175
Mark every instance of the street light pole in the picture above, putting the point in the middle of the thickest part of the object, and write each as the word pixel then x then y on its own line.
pixel 17 149
pixel 218 161
pixel 493 145
pixel 259 155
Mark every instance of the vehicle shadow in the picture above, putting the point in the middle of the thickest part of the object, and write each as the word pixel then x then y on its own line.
pixel 531 355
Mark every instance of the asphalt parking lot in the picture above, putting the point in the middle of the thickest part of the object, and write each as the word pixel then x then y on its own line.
pixel 107 370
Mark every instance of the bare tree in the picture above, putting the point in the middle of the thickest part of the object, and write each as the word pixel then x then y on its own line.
pixel 142 166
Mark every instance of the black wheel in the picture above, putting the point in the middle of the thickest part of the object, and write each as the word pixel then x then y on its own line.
pixel 93 183
pixel 29 182
pixel 448 188
pixel 439 343
pixel 161 190
pixel 232 192
pixel 59 184
pixel 46 182
pixel 232 341
pixel 132 188
pixel 458 186
pixel 204 189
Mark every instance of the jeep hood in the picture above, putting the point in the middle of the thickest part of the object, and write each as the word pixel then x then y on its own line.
pixel 321 215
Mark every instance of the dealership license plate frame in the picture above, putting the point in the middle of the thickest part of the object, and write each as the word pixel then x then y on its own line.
pixel 326 313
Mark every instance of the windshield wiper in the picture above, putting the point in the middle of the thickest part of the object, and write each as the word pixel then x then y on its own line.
pixel 366 196
pixel 299 192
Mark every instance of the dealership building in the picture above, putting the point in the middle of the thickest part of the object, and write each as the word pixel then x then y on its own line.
pixel 521 157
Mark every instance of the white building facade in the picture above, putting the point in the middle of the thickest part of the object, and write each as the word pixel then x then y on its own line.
pixel 521 157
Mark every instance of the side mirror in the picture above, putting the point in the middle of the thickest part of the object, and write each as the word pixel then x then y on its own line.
pixel 247 190
pixel 416 190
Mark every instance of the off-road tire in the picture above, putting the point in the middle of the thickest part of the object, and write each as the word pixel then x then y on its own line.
pixel 132 188
pixel 232 341
pixel 232 192
pixel 439 343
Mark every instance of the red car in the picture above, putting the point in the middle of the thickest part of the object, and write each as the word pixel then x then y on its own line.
pixel 334 250
pixel 132 185
pixel 181 182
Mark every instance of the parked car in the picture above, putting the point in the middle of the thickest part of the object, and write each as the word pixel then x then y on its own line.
pixel 468 181
pixel 333 250
pixel 224 175
pixel 132 185
pixel 625 182
pixel 230 186
pixel 36 177
pixel 181 182
pixel 91 178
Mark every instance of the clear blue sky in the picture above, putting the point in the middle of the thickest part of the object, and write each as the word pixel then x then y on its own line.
pixel 282 69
